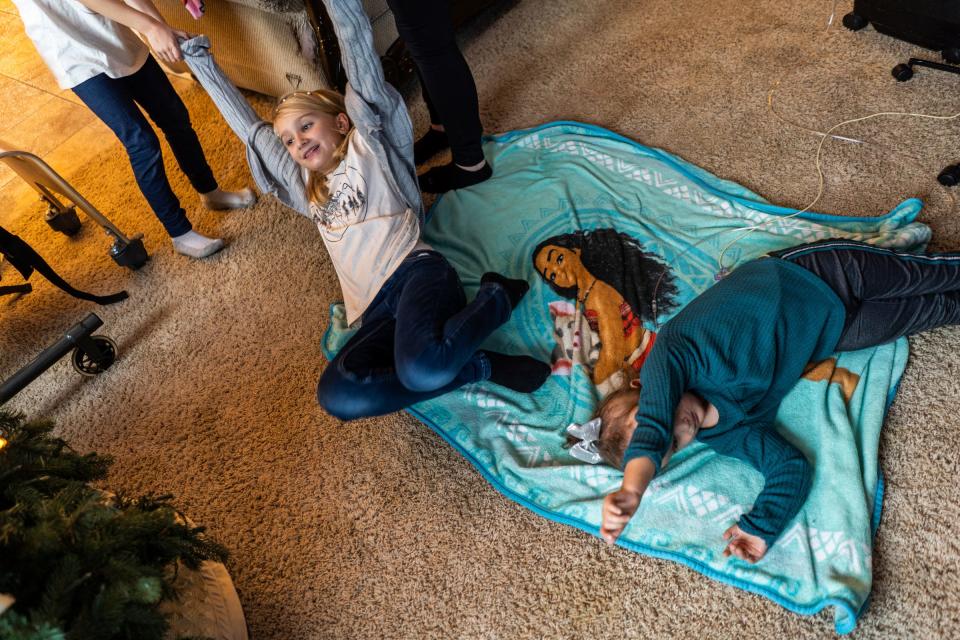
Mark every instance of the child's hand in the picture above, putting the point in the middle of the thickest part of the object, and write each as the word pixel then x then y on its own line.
pixel 744 545
pixel 163 40
pixel 618 508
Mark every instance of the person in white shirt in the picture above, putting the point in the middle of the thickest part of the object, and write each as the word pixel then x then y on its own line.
pixel 91 48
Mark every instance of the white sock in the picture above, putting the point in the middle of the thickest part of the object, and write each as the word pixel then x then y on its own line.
pixel 195 245
pixel 220 199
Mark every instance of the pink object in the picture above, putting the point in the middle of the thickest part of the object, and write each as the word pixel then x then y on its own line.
pixel 195 7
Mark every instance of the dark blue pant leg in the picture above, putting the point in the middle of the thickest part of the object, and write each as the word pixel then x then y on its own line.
pixel 887 293
pixel 151 89
pixel 860 271
pixel 437 332
pixel 418 341
pixel 111 101
pixel 881 321
pixel 449 88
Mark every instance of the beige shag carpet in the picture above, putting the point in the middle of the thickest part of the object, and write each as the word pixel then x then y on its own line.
pixel 378 529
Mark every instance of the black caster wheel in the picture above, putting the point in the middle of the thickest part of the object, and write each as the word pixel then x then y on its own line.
pixel 902 72
pixel 950 176
pixel 66 221
pixel 951 55
pixel 132 254
pixel 854 22
pixel 87 365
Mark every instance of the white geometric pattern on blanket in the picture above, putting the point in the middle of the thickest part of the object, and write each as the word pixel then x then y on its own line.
pixel 596 476
pixel 828 545
pixel 629 170
pixel 519 434
pixel 484 399
pixel 696 501
pixel 790 226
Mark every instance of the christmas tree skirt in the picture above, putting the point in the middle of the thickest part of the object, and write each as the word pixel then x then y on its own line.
pixel 641 210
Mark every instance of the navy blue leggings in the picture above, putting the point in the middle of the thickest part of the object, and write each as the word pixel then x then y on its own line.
pixel 419 339
pixel 887 293
pixel 448 86
pixel 115 100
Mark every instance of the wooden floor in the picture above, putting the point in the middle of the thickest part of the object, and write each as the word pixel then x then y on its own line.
pixel 37 116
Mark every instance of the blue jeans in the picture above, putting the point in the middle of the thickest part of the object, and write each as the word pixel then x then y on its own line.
pixel 115 100
pixel 418 340
pixel 887 293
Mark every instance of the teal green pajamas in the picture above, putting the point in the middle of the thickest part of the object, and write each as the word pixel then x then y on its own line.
pixel 742 345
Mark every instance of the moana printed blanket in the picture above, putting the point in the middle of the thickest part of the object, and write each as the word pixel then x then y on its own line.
pixel 643 232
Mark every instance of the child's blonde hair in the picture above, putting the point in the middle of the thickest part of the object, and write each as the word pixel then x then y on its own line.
pixel 325 101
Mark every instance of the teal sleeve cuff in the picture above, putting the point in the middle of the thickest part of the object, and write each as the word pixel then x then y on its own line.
pixel 636 452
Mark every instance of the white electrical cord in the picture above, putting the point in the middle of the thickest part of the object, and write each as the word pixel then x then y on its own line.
pixel 824 135
pixel 820 178
pixel 833 14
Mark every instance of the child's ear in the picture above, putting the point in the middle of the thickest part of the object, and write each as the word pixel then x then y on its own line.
pixel 343 123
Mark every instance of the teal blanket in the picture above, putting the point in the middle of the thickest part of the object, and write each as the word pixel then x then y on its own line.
pixel 553 181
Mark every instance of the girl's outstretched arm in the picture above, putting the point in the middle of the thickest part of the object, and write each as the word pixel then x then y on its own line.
pixel 272 167
pixel 365 76
pixel 360 60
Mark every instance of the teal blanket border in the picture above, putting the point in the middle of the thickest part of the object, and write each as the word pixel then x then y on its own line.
pixel 844 624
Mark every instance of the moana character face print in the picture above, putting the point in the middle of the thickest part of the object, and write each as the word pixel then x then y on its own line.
pixel 616 286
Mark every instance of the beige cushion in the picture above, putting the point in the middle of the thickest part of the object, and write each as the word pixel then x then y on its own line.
pixel 269 46
pixel 270 6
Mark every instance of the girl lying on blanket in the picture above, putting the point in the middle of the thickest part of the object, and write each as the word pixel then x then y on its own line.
pixel 347 163
pixel 720 368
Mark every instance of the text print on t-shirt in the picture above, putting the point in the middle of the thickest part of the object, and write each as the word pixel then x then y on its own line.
pixel 347 204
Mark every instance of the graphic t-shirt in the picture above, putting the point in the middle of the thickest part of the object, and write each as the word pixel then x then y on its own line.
pixel 366 227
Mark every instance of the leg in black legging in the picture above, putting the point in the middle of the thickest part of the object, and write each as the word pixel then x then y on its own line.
pixel 858 271
pixel 427 29
pixel 881 321
pixel 887 293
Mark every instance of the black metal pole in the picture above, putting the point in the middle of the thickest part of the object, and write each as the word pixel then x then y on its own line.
pixel 79 332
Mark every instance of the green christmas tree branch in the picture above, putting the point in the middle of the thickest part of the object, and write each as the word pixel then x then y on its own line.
pixel 83 564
